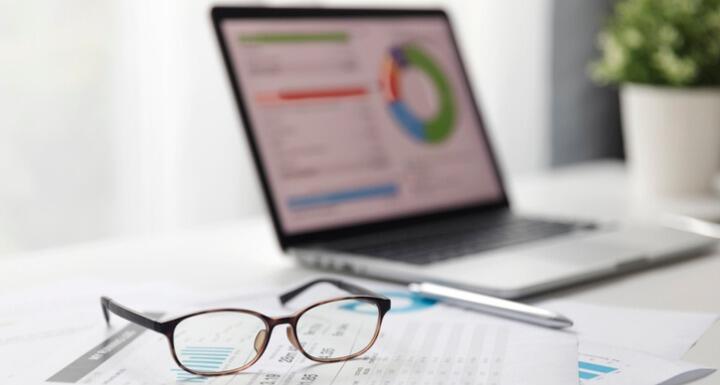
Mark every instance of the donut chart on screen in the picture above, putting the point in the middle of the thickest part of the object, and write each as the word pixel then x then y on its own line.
pixel 434 129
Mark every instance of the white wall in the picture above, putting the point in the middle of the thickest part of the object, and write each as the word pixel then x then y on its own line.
pixel 56 179
pixel 133 128
pixel 182 159
pixel 507 44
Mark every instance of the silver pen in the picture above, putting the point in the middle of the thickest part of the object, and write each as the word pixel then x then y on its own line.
pixel 491 305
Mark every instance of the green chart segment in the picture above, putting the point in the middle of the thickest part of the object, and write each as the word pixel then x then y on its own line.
pixel 436 128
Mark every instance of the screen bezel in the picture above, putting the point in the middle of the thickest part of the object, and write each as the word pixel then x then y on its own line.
pixel 222 13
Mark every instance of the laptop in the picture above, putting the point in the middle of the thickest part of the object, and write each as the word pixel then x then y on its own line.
pixel 375 160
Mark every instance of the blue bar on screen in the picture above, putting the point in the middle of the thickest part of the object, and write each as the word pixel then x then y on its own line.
pixel 378 191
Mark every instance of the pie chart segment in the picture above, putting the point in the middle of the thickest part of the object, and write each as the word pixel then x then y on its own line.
pixel 436 128
pixel 410 122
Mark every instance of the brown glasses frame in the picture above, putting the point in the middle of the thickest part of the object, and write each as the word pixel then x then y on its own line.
pixel 167 328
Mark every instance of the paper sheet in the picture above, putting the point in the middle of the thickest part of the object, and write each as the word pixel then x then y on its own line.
pixel 668 334
pixel 633 346
pixel 41 327
pixel 421 343
pixel 608 365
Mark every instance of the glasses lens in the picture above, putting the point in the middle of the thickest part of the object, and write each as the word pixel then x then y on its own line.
pixel 219 341
pixel 338 329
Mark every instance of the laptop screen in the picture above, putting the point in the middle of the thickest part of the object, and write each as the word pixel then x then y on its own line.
pixel 358 120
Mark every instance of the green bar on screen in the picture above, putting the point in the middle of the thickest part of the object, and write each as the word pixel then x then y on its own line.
pixel 274 37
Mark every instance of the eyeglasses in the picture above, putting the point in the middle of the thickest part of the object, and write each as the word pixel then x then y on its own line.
pixel 226 341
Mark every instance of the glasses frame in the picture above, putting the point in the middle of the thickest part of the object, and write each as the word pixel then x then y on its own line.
pixel 167 328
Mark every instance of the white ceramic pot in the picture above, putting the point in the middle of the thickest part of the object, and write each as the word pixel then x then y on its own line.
pixel 672 139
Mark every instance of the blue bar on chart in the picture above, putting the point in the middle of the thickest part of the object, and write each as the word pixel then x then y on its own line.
pixel 335 197
pixel 202 359
pixel 183 376
pixel 591 370
pixel 595 367
pixel 587 375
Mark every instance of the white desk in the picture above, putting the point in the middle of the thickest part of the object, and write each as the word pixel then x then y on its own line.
pixel 244 253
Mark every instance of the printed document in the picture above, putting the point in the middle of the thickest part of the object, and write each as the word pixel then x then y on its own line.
pixel 421 342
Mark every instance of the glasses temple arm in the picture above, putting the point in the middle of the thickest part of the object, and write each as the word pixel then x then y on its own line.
pixel 110 306
pixel 346 286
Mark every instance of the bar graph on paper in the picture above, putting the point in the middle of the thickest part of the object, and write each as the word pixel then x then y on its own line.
pixel 201 358
pixel 593 368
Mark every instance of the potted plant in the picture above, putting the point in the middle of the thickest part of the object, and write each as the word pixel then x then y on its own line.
pixel 665 56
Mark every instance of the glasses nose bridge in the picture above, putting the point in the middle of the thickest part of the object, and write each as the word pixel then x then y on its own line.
pixel 281 320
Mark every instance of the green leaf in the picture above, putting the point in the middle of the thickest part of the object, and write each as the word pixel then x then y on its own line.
pixel 660 42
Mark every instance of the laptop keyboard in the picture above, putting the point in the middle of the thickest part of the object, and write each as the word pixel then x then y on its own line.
pixel 424 247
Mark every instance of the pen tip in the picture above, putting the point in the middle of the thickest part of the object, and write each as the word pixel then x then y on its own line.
pixel 567 322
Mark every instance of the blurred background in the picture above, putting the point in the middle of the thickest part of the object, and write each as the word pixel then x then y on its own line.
pixel 116 117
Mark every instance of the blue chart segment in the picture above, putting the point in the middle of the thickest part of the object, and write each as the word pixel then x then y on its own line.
pixel 590 370
pixel 413 124
pixel 402 302
pixel 203 359
pixel 335 197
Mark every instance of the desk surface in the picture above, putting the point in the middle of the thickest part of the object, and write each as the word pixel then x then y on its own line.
pixel 244 253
